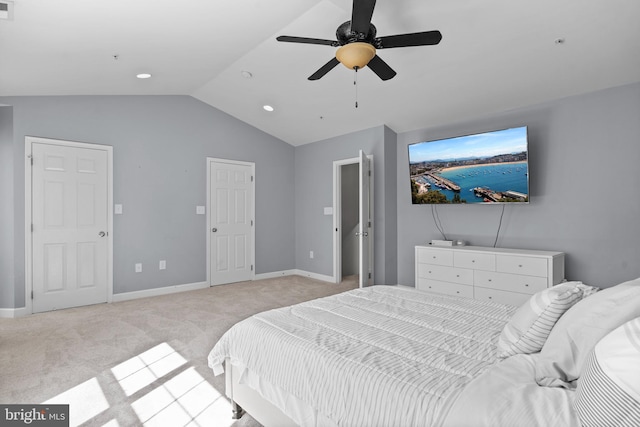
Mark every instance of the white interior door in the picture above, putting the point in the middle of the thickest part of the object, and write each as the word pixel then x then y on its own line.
pixel 70 258
pixel 365 229
pixel 231 194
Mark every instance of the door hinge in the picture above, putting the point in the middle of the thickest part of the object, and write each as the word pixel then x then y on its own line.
pixel 252 223
pixel 251 178
pixel 30 157
pixel 251 267
pixel 369 275
pixel 32 228
pixel 369 172
pixel 31 294
pixel 369 224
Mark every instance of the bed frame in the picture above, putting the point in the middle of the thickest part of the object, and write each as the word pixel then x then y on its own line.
pixel 244 398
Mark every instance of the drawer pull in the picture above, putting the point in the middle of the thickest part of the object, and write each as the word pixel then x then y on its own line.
pixel 473 260
pixel 490 297
pixel 490 280
pixel 434 257
pixel 526 285
pixel 520 265
pixel 457 292
pixel 457 275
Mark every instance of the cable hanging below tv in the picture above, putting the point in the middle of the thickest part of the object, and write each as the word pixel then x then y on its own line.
pixel 483 168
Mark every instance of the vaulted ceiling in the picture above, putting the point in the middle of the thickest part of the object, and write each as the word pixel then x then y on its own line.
pixel 495 55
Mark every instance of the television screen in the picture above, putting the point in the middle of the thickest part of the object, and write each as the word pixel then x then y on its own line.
pixel 486 168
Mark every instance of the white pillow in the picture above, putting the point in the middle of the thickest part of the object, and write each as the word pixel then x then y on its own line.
pixel 563 355
pixel 531 324
pixel 608 391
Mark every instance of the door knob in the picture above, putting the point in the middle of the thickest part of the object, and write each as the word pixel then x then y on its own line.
pixel 102 234
pixel 213 230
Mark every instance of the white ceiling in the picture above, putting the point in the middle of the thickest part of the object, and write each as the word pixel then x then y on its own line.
pixel 495 55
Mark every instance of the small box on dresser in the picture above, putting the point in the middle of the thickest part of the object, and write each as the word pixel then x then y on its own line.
pixel 508 276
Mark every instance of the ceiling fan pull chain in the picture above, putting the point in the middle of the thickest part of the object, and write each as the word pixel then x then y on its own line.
pixel 355 83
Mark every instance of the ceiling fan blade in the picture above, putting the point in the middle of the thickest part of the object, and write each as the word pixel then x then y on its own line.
pixel 292 39
pixel 381 68
pixel 361 15
pixel 324 69
pixel 413 39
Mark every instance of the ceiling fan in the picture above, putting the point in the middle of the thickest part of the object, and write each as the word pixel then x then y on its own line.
pixel 358 43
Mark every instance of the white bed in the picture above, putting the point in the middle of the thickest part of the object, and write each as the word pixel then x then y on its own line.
pixel 386 356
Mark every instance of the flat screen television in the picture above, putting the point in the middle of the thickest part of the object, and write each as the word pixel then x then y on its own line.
pixel 483 168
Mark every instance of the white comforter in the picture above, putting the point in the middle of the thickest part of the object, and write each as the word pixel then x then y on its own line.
pixel 378 356
pixel 507 395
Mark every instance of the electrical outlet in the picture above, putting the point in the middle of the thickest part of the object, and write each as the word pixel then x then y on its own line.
pixel 139 267
pixel 163 264
pixel 311 254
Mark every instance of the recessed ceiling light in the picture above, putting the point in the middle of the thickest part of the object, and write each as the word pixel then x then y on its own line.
pixel 559 40
pixel 246 74
pixel 143 75
pixel 267 107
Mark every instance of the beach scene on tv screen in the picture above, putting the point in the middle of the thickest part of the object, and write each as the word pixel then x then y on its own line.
pixel 489 167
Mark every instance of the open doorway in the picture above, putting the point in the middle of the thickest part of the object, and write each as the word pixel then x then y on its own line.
pixel 349 221
pixel 353 220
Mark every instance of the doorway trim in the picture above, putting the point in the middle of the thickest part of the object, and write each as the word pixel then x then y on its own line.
pixel 252 255
pixel 28 211
pixel 337 216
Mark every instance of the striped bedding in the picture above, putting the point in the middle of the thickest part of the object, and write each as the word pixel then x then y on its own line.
pixel 377 356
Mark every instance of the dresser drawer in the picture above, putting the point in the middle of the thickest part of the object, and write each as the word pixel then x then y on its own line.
pixel 509 282
pixel 445 288
pixel 530 266
pixel 435 256
pixel 445 274
pixel 475 260
pixel 502 297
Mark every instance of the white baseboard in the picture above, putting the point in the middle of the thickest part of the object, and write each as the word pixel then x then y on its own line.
pixel 294 272
pixel 316 276
pixel 159 291
pixel 275 274
pixel 9 313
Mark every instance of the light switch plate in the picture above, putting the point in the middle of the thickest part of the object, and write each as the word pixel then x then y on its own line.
pixel 200 210
pixel 117 209
pixel 328 211
pixel 139 267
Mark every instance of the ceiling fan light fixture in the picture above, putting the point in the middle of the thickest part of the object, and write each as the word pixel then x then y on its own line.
pixel 355 55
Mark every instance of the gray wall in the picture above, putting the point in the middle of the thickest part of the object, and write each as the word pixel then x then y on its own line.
pixel 314 191
pixel 584 170
pixel 584 157
pixel 6 207
pixel 160 145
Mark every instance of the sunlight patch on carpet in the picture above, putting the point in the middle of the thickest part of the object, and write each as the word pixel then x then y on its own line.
pixel 142 370
pixel 186 399
pixel 85 401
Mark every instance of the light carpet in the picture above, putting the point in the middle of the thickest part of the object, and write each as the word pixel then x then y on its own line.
pixel 139 362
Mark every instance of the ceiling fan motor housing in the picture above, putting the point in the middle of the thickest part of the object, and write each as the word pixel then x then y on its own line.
pixel 346 36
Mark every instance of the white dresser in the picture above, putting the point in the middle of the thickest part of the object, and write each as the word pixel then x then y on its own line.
pixel 508 276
